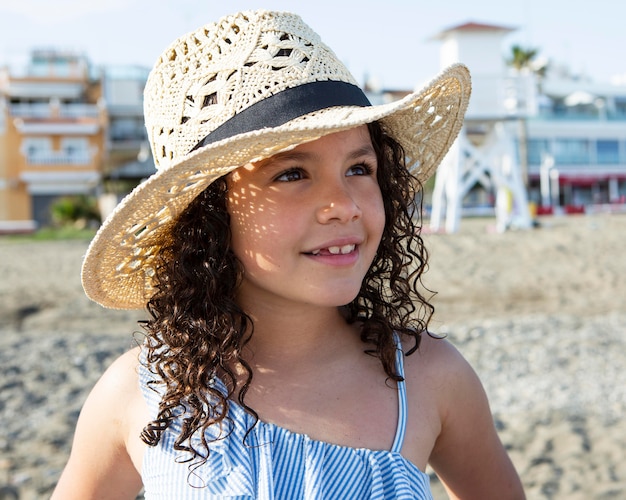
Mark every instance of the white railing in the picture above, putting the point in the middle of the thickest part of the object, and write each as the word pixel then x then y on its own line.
pixel 25 110
pixel 79 111
pixel 59 158
pixel 48 110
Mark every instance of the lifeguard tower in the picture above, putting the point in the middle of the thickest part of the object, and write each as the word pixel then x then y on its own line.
pixel 485 152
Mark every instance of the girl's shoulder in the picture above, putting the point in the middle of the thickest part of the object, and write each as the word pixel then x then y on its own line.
pixel 436 357
pixel 124 365
pixel 117 394
pixel 440 378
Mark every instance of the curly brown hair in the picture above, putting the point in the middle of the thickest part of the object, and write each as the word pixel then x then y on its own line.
pixel 197 331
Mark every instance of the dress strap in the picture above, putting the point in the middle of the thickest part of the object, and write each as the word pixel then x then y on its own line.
pixel 402 404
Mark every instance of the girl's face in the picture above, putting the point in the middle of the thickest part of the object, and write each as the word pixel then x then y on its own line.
pixel 306 223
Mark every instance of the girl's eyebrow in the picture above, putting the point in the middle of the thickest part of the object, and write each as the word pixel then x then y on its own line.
pixel 365 150
pixel 286 156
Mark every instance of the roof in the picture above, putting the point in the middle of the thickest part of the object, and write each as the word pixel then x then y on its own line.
pixel 473 27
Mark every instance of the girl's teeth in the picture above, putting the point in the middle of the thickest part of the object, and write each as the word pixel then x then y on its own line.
pixel 341 250
pixel 336 250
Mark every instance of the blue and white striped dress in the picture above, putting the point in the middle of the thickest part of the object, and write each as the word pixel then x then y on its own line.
pixel 274 463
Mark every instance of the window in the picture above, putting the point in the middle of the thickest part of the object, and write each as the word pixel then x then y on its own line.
pixel 607 151
pixel 75 150
pixel 571 151
pixel 127 129
pixel 37 149
pixel 620 106
pixel 537 149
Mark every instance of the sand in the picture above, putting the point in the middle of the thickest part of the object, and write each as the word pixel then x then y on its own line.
pixel 540 314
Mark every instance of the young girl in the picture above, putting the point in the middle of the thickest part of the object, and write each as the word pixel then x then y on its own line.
pixel 287 353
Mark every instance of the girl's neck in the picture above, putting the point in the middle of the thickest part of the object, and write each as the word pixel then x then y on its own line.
pixel 302 335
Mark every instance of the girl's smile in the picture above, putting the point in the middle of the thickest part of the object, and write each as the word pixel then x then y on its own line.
pixel 306 224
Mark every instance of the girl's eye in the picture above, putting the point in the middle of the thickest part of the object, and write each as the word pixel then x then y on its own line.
pixel 360 169
pixel 291 175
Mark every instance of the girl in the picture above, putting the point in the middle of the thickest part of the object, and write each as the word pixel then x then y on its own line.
pixel 278 257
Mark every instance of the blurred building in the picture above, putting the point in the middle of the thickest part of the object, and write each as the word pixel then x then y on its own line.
pixel 569 131
pixel 129 159
pixel 53 126
pixel 68 129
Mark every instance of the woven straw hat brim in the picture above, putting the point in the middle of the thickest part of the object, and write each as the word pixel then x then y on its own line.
pixel 118 267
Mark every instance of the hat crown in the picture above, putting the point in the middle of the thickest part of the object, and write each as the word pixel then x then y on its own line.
pixel 207 76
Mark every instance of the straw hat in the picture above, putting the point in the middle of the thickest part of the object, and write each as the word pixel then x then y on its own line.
pixel 244 88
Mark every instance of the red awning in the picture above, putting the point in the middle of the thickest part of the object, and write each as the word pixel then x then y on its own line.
pixel 585 180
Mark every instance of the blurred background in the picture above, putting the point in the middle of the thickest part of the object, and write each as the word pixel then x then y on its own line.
pixel 545 132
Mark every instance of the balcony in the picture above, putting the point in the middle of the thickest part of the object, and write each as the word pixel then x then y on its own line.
pixel 43 89
pixel 55 118
pixel 60 182
pixel 54 110
pixel 90 127
pixel 80 158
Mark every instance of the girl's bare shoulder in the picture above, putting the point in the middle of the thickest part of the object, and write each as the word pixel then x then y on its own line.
pixel 122 371
pixel 435 357
pixel 116 395
pixel 440 377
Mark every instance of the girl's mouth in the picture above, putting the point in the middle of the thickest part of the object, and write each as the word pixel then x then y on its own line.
pixel 335 250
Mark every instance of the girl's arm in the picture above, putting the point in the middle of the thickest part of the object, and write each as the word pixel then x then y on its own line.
pixel 468 456
pixel 100 466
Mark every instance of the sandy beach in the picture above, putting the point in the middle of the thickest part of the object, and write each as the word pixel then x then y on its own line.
pixel 540 314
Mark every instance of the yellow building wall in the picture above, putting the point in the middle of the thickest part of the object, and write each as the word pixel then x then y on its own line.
pixel 21 205
pixel 15 202
pixel 4 192
pixel 15 199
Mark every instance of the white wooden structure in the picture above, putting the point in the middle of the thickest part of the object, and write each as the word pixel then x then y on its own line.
pixel 492 165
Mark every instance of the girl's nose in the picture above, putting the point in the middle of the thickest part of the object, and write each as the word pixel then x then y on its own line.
pixel 337 204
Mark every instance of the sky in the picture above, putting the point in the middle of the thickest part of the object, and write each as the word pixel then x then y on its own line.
pixel 389 41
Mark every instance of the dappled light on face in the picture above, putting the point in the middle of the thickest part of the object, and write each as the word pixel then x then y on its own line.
pixel 251 212
pixel 263 261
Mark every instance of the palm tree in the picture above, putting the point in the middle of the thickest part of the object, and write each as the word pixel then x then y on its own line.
pixel 522 58
pixel 522 61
